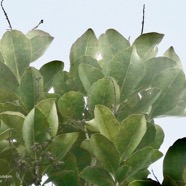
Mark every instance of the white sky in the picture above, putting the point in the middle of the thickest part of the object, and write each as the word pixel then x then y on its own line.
pixel 67 20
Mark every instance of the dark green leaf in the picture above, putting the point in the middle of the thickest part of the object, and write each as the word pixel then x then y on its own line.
pixel 174 163
pixel 144 183
pixel 48 72
pixel 97 176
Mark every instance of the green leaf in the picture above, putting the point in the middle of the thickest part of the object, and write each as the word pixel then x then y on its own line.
pixel 140 102
pixel 11 107
pixel 7 96
pixel 48 72
pixel 104 92
pixel 122 173
pixel 105 122
pixel 153 137
pixel 86 45
pixel 142 158
pixel 8 80
pixel 63 82
pixel 39 41
pixel 105 152
pixel 170 53
pixel 144 183
pixel 61 144
pixel 146 45
pixel 89 75
pixel 132 130
pixel 48 108
pixel 31 86
pixel 127 69
pixel 110 43
pixel 172 84
pixel 153 68
pixel 14 120
pixel 174 163
pixel 35 129
pixel 97 176
pixel 71 105
pixel 16 51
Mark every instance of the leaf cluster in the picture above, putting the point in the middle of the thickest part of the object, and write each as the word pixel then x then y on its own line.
pixel 97 127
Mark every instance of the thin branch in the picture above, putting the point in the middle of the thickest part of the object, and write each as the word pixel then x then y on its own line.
pixel 38 24
pixel 155 176
pixel 143 19
pixel 6 15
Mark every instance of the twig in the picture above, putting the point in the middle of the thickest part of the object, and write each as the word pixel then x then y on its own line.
pixel 143 19
pixel 6 15
pixel 38 24
pixel 154 176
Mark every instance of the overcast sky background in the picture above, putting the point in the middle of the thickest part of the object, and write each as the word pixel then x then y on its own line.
pixel 66 20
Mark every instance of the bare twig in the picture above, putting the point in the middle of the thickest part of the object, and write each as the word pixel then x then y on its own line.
pixel 143 19
pixel 38 24
pixel 154 176
pixel 6 15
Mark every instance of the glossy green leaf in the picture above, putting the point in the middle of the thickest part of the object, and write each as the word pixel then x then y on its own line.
pixel 127 69
pixel 144 183
pixel 71 105
pixel 172 84
pixel 31 86
pixel 39 41
pixel 142 158
pixel 170 53
pixel 8 80
pixel 104 92
pixel 61 144
pixel 110 43
pixel 86 45
pixel 174 163
pixel 105 152
pixel 16 51
pixel 35 129
pixel 97 176
pixel 89 75
pixel 48 108
pixel 48 72
pixel 105 122
pixel 146 45
pixel 132 130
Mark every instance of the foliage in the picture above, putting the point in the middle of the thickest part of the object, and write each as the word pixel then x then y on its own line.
pixel 97 128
